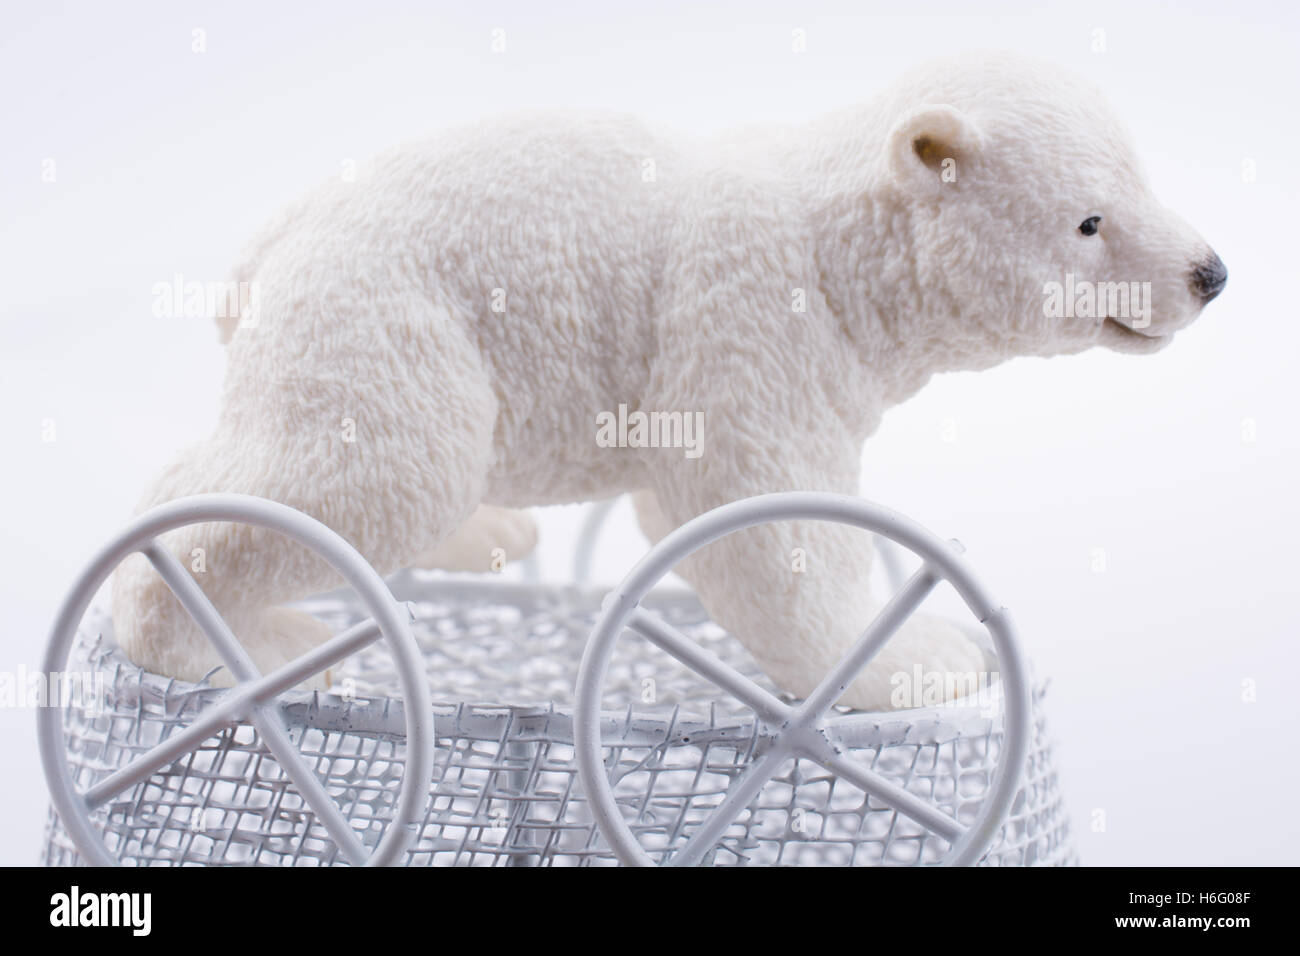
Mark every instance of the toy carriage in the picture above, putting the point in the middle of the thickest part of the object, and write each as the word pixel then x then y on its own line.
pixel 474 720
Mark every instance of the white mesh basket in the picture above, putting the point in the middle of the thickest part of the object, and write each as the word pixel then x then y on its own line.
pixel 501 659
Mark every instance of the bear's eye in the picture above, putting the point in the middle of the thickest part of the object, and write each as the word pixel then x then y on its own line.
pixel 1089 226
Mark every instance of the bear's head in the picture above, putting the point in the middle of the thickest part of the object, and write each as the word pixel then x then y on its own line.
pixel 1031 226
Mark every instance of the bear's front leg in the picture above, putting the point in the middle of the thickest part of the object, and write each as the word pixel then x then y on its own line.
pixel 797 594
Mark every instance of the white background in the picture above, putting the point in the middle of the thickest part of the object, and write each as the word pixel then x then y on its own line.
pixel 167 159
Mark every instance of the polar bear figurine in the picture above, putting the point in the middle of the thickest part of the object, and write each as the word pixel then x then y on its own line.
pixel 435 342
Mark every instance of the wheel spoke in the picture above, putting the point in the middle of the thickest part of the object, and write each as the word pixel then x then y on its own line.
pixel 194 601
pixel 906 803
pixel 868 645
pixel 708 665
pixel 230 708
pixel 267 720
pixel 310 788
pixel 739 793
pixel 221 714
pixel 277 741
pixel 319 658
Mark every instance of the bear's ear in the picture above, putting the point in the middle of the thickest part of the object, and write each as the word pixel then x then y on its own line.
pixel 929 146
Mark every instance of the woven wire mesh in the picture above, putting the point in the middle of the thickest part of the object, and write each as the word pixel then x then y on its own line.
pixel 501 660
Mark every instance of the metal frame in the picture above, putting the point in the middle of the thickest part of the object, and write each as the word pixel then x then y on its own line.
pixel 584 549
pixel 255 696
pixel 802 729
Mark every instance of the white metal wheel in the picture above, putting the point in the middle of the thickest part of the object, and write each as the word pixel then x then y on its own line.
pixel 254 697
pixel 800 729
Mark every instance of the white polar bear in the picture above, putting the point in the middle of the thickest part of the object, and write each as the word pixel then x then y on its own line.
pixel 474 302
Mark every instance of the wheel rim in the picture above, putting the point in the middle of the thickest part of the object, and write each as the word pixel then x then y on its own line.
pixel 796 728
pixel 255 696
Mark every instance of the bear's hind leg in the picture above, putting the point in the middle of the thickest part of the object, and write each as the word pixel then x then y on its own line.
pixel 387 441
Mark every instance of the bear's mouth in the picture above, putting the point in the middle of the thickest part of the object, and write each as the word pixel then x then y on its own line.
pixel 1131 331
pixel 1119 336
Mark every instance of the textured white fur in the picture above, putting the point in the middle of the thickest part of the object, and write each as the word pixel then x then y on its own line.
pixel 674 293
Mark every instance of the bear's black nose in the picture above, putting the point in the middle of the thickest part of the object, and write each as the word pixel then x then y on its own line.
pixel 1208 279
